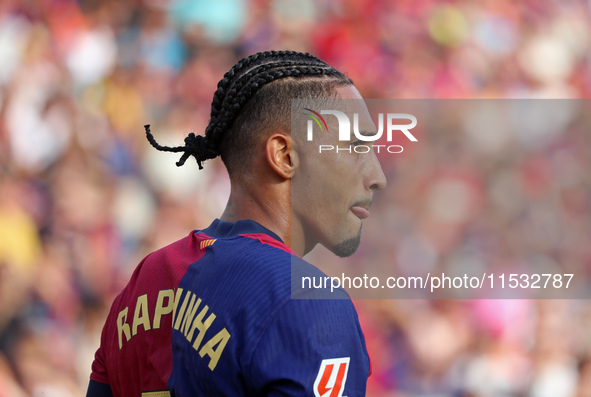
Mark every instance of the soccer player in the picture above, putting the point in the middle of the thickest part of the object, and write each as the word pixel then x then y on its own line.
pixel 217 313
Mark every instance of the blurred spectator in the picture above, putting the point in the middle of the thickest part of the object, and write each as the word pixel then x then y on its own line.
pixel 83 198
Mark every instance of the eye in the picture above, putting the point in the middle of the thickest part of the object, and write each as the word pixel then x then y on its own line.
pixel 356 143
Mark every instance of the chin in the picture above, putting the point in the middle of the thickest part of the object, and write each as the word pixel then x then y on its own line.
pixel 347 247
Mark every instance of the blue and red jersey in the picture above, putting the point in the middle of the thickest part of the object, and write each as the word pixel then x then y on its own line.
pixel 221 312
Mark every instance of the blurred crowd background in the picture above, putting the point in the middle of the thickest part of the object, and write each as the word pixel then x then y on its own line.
pixel 83 197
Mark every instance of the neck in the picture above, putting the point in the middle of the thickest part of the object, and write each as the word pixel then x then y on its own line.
pixel 268 207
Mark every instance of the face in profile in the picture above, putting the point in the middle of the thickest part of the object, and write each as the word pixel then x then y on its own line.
pixel 332 190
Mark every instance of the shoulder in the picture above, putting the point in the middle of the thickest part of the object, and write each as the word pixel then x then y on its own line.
pixel 304 339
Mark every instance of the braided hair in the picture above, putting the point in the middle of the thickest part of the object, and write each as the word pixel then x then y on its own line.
pixel 246 104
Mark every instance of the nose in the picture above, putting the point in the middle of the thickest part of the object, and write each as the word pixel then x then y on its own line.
pixel 375 178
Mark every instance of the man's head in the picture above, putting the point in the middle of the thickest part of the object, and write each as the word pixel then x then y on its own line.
pixel 251 104
pixel 253 101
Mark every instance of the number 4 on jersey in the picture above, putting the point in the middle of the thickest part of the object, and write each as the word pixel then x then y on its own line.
pixel 331 378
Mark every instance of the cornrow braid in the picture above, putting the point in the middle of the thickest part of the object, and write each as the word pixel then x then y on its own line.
pixel 243 82
pixel 249 62
pixel 222 93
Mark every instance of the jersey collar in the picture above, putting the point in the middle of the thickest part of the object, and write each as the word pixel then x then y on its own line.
pixel 222 229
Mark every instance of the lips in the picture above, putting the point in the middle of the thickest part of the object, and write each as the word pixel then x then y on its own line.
pixel 361 212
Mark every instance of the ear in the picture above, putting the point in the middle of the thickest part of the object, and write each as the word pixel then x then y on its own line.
pixel 279 154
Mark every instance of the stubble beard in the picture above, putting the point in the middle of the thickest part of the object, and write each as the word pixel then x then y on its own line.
pixel 348 247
